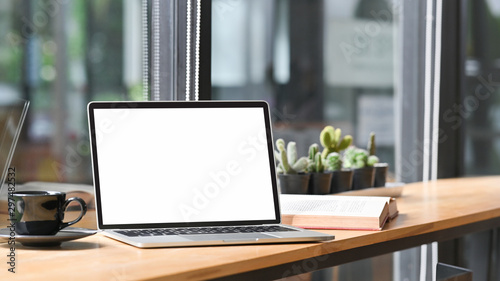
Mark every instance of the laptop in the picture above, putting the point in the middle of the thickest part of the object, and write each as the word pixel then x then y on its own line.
pixel 180 173
pixel 12 115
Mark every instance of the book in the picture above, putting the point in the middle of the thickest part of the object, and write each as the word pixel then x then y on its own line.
pixel 337 212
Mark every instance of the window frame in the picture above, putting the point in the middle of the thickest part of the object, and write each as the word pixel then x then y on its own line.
pixel 170 31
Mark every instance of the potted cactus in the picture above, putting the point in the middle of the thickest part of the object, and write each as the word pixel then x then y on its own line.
pixel 320 181
pixel 291 169
pixel 362 164
pixel 333 144
pixel 380 168
pixel 341 177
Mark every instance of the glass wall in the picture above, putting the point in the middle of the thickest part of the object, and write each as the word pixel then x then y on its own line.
pixel 317 62
pixel 59 55
pixel 479 109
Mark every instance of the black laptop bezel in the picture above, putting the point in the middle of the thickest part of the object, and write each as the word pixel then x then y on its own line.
pixel 92 106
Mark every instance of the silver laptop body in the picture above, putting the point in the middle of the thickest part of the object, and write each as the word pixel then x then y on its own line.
pixel 185 168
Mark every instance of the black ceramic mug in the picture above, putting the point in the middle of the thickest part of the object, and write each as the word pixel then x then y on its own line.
pixel 42 212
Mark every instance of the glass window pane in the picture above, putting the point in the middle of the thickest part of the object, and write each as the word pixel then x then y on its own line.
pixel 316 62
pixel 480 107
pixel 59 55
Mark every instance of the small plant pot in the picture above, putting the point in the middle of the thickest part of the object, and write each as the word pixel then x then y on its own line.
pixel 320 183
pixel 380 174
pixel 341 181
pixel 363 178
pixel 294 184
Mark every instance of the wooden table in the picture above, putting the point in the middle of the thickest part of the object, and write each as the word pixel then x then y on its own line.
pixel 434 211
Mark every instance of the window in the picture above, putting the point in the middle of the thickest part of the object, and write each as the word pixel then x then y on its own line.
pixel 479 108
pixel 316 62
pixel 59 55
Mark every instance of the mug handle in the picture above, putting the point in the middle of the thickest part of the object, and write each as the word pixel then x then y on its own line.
pixel 82 213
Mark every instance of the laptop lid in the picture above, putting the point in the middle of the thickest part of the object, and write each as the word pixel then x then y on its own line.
pixel 171 164
pixel 12 115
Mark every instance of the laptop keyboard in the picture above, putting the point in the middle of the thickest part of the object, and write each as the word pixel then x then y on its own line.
pixel 203 230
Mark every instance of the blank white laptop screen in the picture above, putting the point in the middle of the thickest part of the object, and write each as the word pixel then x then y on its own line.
pixel 182 165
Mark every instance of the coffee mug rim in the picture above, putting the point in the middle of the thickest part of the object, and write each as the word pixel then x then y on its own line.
pixel 32 193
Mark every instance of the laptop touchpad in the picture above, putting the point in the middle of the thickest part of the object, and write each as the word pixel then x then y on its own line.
pixel 228 237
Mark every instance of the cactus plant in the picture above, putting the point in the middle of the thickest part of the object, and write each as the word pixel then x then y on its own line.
pixel 289 163
pixel 316 162
pixel 380 168
pixel 313 149
pixel 371 144
pixel 332 141
pixel 357 158
pixel 333 161
pixel 372 159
